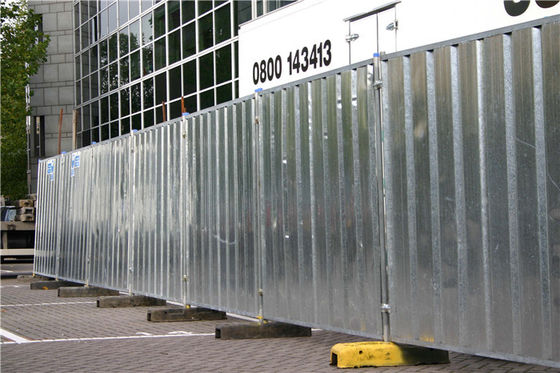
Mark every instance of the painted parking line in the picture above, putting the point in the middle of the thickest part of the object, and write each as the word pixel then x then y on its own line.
pixel 20 340
pixel 13 286
pixel 45 304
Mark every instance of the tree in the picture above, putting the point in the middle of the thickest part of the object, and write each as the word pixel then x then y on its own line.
pixel 22 49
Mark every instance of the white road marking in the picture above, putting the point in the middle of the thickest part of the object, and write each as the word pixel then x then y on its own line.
pixel 45 304
pixel 13 286
pixel 185 334
pixel 14 337
pixel 7 270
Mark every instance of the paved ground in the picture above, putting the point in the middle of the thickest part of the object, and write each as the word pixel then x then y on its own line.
pixel 52 334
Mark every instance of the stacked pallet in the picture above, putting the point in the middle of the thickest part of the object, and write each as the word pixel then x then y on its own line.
pixel 25 208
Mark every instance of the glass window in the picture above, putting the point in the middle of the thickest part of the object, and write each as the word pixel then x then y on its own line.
pixel 86 138
pixel 147 29
pixel 103 58
pixel 223 93
pixel 85 35
pixel 103 3
pixel 175 109
pixel 147 60
pixel 206 68
pixel 134 8
pixel 115 129
pixel 123 11
pixel 223 25
pixel 123 41
pixel 113 76
pixel 159 21
pixel 135 98
pixel 125 103
pixel 190 104
pixel 85 89
pixel 77 14
pixel 85 63
pixel 77 38
pixel 94 85
pixel 173 14
pixel 148 92
pixel 134 35
pixel 175 83
pixel 205 32
pixel 223 64
pixel 236 51
pixel 112 18
pixel 135 66
pixel 146 4
pixel 104 80
pixel 159 113
pixel 104 23
pixel 259 8
pixel 95 114
pixel 137 122
pixel 243 12
pixel 189 40
pixel 78 67
pixel 95 134
pixel 104 110
pixel 206 99
pixel 159 53
pixel 78 93
pixel 161 88
pixel 86 119
pixel 93 30
pixel 113 48
pixel 174 45
pixel 92 8
pixel 93 57
pixel 188 10
pixel 148 118
pixel 189 77
pixel 124 74
pixel 114 106
pixel 204 6
pixel 84 11
pixel 125 126
pixel 104 132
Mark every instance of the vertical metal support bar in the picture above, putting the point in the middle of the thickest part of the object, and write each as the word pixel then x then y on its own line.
pixel 258 172
pixel 384 275
pixel 58 198
pixel 182 209
pixel 131 191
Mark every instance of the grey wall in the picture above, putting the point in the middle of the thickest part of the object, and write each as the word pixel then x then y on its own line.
pixel 53 84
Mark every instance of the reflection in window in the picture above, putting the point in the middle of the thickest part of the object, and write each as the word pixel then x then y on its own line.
pixel 174 45
pixel 204 6
pixel 188 10
pixel 85 89
pixel 103 58
pixel 94 85
pixel 104 80
pixel 243 12
pixel 134 8
pixel 95 134
pixel 135 66
pixel 189 40
pixel 86 119
pixel 112 18
pixel 134 35
pixel 113 76
pixel 95 114
pixel 93 30
pixel 147 29
pixel 206 68
pixel 175 83
pixel 78 67
pixel 114 106
pixel 78 93
pixel 137 122
pixel 146 4
pixel 123 11
pixel 104 23
pixel 223 64
pixel 124 75
pixel 147 60
pixel 173 14
pixel 104 110
pixel 135 98
pixel 84 11
pixel 93 58
pixel 123 41
pixel 148 92
pixel 223 26
pixel 125 103
pixel 205 32
pixel 159 21
pixel 148 118
pixel 125 126
pixel 189 77
pixel 104 132
pixel 85 63
pixel 85 35
pixel 113 48
pixel 161 88
pixel 115 129
pixel 159 53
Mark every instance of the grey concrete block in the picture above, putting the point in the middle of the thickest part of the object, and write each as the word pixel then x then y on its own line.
pixel 184 314
pixel 51 73
pixel 66 95
pixel 86 291
pixel 37 98
pixel 66 72
pixel 64 19
pixel 256 331
pixel 128 301
pixel 51 285
pixel 42 110
pixel 56 58
pixel 51 96
pixel 40 8
pixel 56 7
pixel 49 22
pixel 53 45
pixel 65 44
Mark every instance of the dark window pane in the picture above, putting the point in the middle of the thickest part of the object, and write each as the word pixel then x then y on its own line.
pixel 175 109
pixel 223 64
pixel 85 138
pixel 78 93
pixel 113 50
pixel 147 29
pixel 204 6
pixel 123 11
pixel 113 76
pixel 223 93
pixel 112 18
pixel 175 83
pixel 159 21
pixel 174 45
pixel 123 42
pixel 85 63
pixel 159 53
pixel 146 4
pixel 243 12
pixel 95 114
pixel 84 11
pixel 205 33
pixel 95 134
pixel 85 35
pixel 134 8
pixel 92 8
pixel 206 68
pixel 125 102
pixel 217 3
pixel 259 8
pixel 190 104
pixel 189 40
pixel 137 122
pixel 104 132
pixel 93 33
pixel 86 119
pixel 173 14
pixel 85 89
pixel 161 88
pixel 93 58
pixel 104 80
pixel 135 66
pixel 78 67
pixel 125 126
pixel 104 23
pixel 223 26
pixel 104 110
pixel 77 14
pixel 235 61
pixel 135 98
pixel 115 129
pixel 147 60
pixel 94 85
pixel 148 92
pixel 206 99
pixel 77 38
pixel 159 113
pixel 134 35
pixel 114 106
pixel 189 77
pixel 103 57
pixel 188 10
pixel 148 118
pixel 124 74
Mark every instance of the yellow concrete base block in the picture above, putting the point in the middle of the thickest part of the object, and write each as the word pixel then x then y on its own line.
pixel 384 354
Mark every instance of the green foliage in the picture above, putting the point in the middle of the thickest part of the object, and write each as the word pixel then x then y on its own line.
pixel 22 49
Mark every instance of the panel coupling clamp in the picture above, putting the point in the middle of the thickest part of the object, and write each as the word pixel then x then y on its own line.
pixel 386 308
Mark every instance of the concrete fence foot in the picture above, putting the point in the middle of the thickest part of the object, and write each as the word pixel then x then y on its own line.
pixel 86 291
pixel 184 314
pixel 129 301
pixel 265 330
pixel 52 285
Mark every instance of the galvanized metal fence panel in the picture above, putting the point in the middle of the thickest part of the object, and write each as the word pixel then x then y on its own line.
pixel 471 160
pixel 319 202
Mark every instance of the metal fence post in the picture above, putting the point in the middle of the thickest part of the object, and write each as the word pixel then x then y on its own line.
pixel 258 174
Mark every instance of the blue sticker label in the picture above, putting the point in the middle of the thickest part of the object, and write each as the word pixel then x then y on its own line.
pixel 50 170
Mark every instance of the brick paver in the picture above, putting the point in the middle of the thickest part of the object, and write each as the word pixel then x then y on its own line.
pixel 70 318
